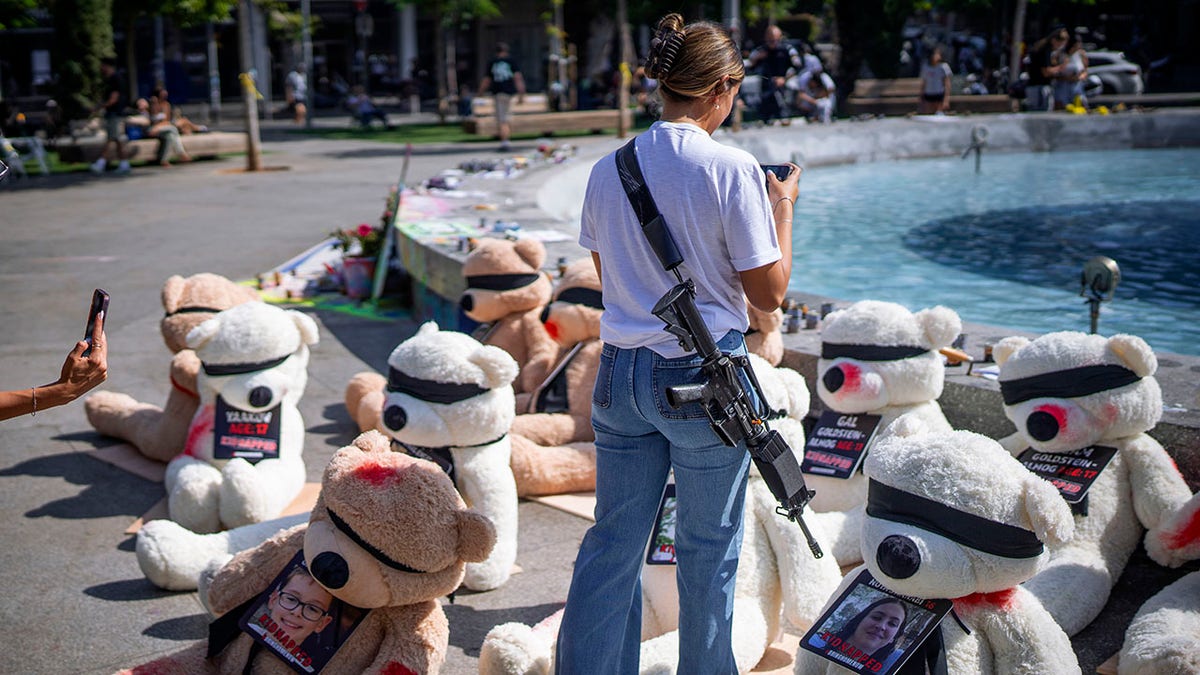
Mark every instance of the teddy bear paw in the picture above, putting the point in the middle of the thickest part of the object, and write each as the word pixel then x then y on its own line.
pixel 245 499
pixel 193 498
pixel 172 556
pixel 514 649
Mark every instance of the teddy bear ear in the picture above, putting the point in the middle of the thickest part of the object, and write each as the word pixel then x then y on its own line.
pixel 532 251
pixel 1135 353
pixel 1007 347
pixel 200 335
pixel 428 328
pixel 941 325
pixel 1048 512
pixel 372 441
pixel 172 290
pixel 308 328
pixel 499 369
pixel 476 536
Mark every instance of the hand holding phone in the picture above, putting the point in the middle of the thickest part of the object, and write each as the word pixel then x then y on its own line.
pixel 781 171
pixel 96 316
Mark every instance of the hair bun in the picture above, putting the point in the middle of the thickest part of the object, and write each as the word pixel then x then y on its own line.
pixel 665 46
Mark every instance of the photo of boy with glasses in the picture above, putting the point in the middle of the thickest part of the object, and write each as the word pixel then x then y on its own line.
pixel 294 613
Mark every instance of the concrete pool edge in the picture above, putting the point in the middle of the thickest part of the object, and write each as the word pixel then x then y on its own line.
pixel 548 197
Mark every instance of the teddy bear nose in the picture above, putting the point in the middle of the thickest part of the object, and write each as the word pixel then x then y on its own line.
pixel 898 557
pixel 260 397
pixel 834 378
pixel 545 314
pixel 395 418
pixel 330 570
pixel 1042 426
pixel 467 303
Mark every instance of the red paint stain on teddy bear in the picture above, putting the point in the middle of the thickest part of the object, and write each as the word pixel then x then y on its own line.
pixel 1189 533
pixel 1002 600
pixel 393 668
pixel 551 328
pixel 377 473
pixel 201 425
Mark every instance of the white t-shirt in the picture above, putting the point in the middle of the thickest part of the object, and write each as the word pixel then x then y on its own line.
pixel 714 200
pixel 933 78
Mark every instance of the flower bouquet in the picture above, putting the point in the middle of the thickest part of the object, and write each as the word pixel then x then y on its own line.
pixel 360 248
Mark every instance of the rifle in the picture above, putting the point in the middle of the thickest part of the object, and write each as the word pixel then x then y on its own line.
pixel 722 396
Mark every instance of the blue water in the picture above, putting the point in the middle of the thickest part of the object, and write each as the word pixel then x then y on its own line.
pixel 1007 247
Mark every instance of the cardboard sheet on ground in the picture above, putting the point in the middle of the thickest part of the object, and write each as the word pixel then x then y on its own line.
pixel 582 504
pixel 303 503
pixel 126 457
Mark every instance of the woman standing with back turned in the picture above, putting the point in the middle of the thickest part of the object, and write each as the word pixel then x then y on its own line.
pixel 735 237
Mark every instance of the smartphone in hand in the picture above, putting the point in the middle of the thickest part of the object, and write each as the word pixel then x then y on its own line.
pixel 99 304
pixel 781 171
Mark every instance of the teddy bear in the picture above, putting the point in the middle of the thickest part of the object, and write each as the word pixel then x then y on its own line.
pixel 507 290
pixel 765 335
pixel 1077 399
pixel 950 516
pixel 389 535
pixel 242 460
pixel 877 359
pixel 160 433
pixel 450 400
pixel 1165 632
pixel 778 579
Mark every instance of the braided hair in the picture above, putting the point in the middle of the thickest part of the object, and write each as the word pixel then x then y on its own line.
pixel 693 60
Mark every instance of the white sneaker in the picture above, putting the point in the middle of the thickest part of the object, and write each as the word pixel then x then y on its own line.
pixel 98 165
pixel 123 167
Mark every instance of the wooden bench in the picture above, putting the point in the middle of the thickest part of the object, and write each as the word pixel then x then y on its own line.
pixel 899 97
pixel 485 106
pixel 548 122
pixel 198 146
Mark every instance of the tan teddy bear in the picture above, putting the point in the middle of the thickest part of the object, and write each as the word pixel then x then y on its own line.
pixel 160 433
pixel 765 336
pixel 507 290
pixel 389 534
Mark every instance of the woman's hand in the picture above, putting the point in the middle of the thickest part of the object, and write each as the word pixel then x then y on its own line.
pixel 781 189
pixel 80 373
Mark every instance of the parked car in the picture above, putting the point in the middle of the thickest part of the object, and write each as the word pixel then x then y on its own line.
pixel 1117 74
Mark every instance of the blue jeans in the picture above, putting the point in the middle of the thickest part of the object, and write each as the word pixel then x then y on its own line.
pixel 639 439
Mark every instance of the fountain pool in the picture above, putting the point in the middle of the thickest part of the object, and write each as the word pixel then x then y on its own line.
pixel 1006 247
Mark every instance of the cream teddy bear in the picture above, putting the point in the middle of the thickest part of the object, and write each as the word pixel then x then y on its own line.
pixel 160 433
pixel 778 578
pixel 950 515
pixel 877 359
pixel 389 535
pixel 506 290
pixel 1164 636
pixel 242 460
pixel 450 400
pixel 1076 398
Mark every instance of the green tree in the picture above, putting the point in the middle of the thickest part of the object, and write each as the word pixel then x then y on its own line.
pixel 17 14
pixel 83 35
pixel 869 32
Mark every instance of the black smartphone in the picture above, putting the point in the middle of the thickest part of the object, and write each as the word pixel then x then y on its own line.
pixel 99 304
pixel 781 171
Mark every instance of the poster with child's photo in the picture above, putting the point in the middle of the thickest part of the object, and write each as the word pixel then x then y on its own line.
pixel 870 629
pixel 662 542
pixel 299 621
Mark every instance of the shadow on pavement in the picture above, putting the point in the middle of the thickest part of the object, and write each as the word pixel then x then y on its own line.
pixel 128 590
pixel 468 625
pixel 109 491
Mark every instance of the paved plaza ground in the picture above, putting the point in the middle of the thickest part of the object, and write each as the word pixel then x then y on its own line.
pixel 75 600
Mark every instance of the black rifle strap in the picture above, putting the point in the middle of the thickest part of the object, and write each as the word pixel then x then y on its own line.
pixel 635 184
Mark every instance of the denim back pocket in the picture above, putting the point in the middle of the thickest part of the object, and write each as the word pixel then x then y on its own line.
pixel 602 391
pixel 674 372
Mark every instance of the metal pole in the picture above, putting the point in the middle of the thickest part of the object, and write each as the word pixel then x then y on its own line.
pixel 306 56
pixel 1018 36
pixel 160 75
pixel 623 91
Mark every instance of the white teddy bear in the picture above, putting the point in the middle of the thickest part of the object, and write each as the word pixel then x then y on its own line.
pixel 877 358
pixel 951 516
pixel 778 579
pixel 242 462
pixel 1164 636
pixel 1075 398
pixel 450 400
